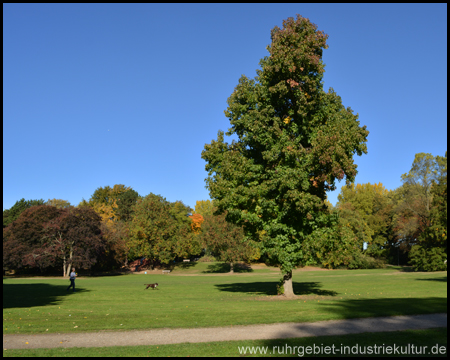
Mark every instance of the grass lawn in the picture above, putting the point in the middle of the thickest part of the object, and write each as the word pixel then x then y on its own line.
pixel 198 295
pixel 433 339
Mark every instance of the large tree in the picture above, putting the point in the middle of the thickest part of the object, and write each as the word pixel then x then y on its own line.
pixel 293 141
pixel 161 230
pixel 46 236
pixel 413 209
pixel 430 250
pixel 367 208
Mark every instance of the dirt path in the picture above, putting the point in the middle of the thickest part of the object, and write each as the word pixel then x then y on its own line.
pixel 248 332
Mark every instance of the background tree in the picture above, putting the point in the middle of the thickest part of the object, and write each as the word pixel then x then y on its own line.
pixel 196 223
pixel 9 215
pixel 367 208
pixel 59 203
pixel 160 230
pixel 125 203
pixel 413 210
pixel 294 141
pixel 114 205
pixel 333 243
pixel 23 239
pixel 226 240
pixel 430 252
pixel 204 207
pixel 46 236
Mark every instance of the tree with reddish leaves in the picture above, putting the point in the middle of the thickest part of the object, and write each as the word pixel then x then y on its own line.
pixel 226 240
pixel 294 141
pixel 46 236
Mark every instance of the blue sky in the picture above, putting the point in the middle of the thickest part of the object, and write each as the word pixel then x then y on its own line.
pixel 97 95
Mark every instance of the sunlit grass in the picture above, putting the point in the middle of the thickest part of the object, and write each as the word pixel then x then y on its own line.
pixel 214 299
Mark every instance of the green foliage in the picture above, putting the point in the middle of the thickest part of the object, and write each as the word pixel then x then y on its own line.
pixel 364 261
pixel 421 213
pixel 226 240
pixel 332 244
pixel 367 209
pixel 14 212
pixel 280 287
pixel 161 230
pixel 294 141
pixel 59 203
pixel 125 203
pixel 207 258
pixel 204 207
pixel 428 259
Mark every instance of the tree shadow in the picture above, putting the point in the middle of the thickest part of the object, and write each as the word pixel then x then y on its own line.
pixel 217 268
pixel 185 265
pixel 30 295
pixel 376 308
pixel 243 268
pixel 442 279
pixel 100 274
pixel 269 288
pixel 222 268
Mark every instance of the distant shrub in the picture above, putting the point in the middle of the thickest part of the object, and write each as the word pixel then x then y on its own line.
pixel 363 261
pixel 280 287
pixel 207 258
pixel 428 259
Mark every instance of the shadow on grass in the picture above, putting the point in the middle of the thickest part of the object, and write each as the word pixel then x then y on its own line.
pixel 105 274
pixel 365 308
pixel 30 295
pixel 270 288
pixel 221 268
pixel 441 279
pixel 185 265
pixel 342 345
pixel 348 309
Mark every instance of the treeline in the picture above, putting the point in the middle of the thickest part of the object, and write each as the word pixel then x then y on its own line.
pixel 116 226
pixel 407 225
pixel 368 227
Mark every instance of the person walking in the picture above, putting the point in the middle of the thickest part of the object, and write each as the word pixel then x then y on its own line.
pixel 73 275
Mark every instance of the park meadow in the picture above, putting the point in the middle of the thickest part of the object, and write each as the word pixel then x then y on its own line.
pixel 204 295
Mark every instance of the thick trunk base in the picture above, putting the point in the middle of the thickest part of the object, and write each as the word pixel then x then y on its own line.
pixel 287 285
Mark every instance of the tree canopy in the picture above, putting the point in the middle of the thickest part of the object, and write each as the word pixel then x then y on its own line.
pixel 161 230
pixel 294 141
pixel 46 236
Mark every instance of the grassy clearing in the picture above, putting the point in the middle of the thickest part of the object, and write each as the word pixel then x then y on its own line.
pixel 42 305
pixel 282 347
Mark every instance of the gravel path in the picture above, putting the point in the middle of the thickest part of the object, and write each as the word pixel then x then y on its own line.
pixel 248 332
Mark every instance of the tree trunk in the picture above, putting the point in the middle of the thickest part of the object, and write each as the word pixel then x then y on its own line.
pixel 64 267
pixel 69 263
pixel 287 285
pixel 231 268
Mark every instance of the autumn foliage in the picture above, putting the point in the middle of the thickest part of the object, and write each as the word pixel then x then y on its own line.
pixel 196 223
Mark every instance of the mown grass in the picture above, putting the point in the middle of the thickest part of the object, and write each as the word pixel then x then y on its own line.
pixel 42 305
pixel 398 341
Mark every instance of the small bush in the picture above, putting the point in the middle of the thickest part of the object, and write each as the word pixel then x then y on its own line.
pixel 428 259
pixel 280 287
pixel 207 258
pixel 363 261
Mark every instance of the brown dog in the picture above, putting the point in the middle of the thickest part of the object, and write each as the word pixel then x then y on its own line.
pixel 153 286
